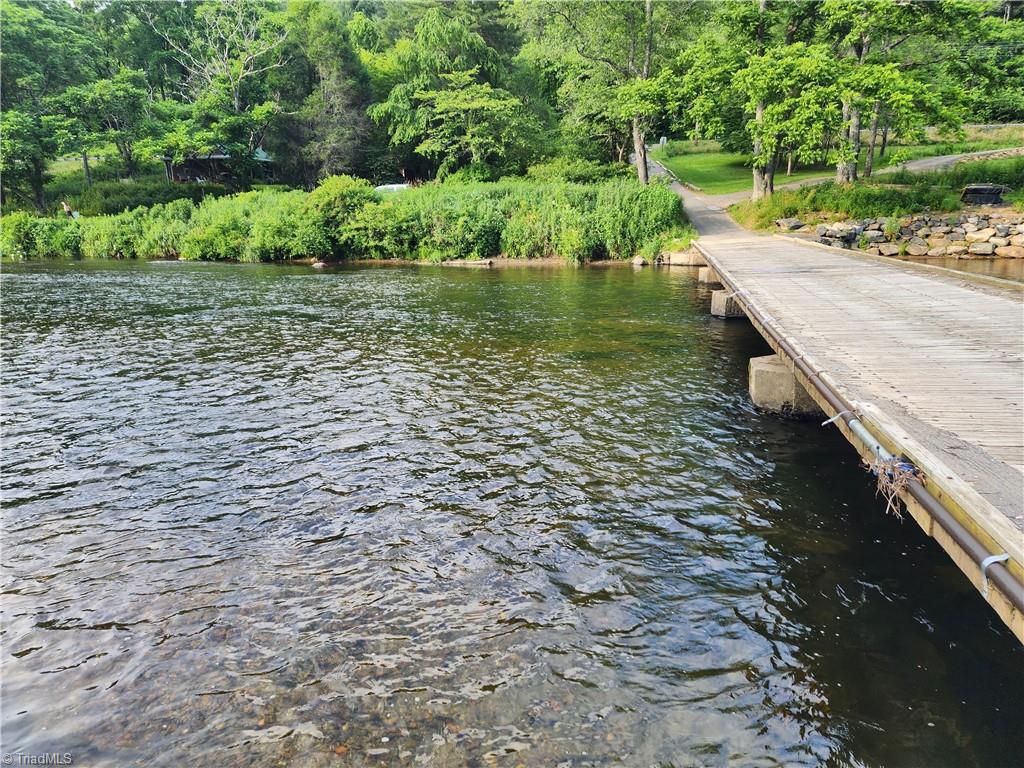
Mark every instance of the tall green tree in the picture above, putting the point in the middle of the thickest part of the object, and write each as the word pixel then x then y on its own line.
pixel 628 41
pixel 112 110
pixel 44 51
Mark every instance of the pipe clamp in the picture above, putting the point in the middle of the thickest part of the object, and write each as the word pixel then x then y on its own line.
pixel 990 560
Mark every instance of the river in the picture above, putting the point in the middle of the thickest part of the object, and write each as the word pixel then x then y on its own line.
pixel 267 515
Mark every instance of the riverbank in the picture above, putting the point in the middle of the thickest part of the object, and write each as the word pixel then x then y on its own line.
pixel 346 219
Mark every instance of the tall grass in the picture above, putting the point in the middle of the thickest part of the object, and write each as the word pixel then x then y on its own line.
pixel 1008 171
pixel 344 218
pixel 842 201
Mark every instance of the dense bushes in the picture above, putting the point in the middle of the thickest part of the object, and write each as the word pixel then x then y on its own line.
pixel 852 201
pixel 346 218
pixel 578 171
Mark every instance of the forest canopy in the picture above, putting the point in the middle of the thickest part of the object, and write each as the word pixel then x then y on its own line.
pixel 416 91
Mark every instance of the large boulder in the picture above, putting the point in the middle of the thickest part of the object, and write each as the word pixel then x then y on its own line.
pixel 956 250
pixel 937 251
pixel 981 249
pixel 999 242
pixel 888 249
pixel 873 236
pixel 789 225
pixel 913 249
pixel 1010 251
pixel 1017 240
pixel 980 235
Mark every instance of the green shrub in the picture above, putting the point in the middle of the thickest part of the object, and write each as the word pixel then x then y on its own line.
pixel 577 171
pixel 164 229
pixel 858 201
pixel 326 211
pixel 275 226
pixel 24 236
pixel 631 215
pixel 345 218
pixel 113 237
pixel 219 229
pixel 17 235
pixel 383 230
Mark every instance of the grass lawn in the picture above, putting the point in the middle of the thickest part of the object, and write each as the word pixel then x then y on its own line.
pixel 715 172
pixel 718 173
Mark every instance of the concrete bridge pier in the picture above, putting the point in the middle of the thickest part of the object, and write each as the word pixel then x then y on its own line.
pixel 708 276
pixel 688 258
pixel 774 388
pixel 723 304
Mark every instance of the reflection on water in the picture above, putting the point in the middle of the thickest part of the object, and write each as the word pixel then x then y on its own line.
pixel 1007 269
pixel 267 516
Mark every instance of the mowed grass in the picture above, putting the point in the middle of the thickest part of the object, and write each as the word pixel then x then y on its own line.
pixel 715 172
pixel 705 166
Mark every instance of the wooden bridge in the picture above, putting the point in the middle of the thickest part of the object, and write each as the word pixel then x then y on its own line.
pixel 919 362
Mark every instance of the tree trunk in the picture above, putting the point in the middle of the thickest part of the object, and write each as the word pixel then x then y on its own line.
pixel 855 137
pixel 789 164
pixel 885 139
pixel 849 139
pixel 869 160
pixel 760 177
pixel 640 151
pixel 770 172
pixel 86 169
pixel 38 191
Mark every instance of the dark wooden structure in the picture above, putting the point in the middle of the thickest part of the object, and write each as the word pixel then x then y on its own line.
pixel 211 168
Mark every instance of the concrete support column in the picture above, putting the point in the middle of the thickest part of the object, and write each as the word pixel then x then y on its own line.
pixel 690 258
pixel 774 388
pixel 708 275
pixel 724 305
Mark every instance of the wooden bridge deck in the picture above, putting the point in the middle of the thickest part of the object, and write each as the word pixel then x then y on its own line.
pixel 936 359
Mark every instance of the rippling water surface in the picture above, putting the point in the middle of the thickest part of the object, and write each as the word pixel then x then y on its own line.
pixel 426 516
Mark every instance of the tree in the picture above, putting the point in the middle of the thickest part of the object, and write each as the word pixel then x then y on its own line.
pixel 874 33
pixel 229 45
pixel 628 41
pixel 470 123
pixel 443 43
pixel 791 100
pixel 44 51
pixel 227 51
pixel 114 110
pixel 324 91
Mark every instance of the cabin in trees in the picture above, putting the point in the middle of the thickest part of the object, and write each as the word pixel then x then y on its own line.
pixel 214 167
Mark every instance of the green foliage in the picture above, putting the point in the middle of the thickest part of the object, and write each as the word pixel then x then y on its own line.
pixel 843 200
pixel 113 237
pixel 1007 171
pixel 164 229
pixel 112 197
pixel 16 236
pixel 326 211
pixel 23 236
pixel 219 229
pixel 629 215
pixel 577 171
pixel 345 218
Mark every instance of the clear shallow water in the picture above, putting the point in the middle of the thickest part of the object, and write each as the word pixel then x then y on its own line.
pixel 427 516
pixel 1007 269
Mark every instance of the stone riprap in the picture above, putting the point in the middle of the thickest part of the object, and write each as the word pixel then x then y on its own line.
pixel 964 235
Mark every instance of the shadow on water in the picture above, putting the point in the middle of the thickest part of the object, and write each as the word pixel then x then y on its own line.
pixel 371 516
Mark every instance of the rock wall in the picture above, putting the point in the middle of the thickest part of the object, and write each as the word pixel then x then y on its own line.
pixel 964 236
